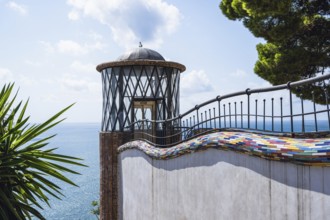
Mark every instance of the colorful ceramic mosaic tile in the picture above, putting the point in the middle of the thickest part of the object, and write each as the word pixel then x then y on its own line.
pixel 314 152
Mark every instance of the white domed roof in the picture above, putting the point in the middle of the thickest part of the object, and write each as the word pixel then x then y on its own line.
pixel 141 53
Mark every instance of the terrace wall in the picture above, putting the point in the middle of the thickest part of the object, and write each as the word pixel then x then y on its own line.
pixel 218 184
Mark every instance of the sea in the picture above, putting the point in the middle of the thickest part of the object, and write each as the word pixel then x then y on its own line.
pixel 78 140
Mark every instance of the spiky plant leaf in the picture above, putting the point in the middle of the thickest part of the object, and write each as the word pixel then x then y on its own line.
pixel 25 164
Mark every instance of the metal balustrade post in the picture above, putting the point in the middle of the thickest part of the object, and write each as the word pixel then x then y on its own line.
pixel 188 128
pixel 197 115
pixel 314 108
pixel 327 104
pixel 183 132
pixel 215 123
pixel 194 127
pixel 229 114
pixel 178 131
pixel 272 114
pixel 190 125
pixel 248 107
pixel 210 118
pixel 235 115
pixel 302 114
pixel 219 109
pixel 224 115
pixel 264 115
pixel 241 114
pixel 202 120
pixel 291 106
pixel 256 117
pixel 281 104
pixel 205 112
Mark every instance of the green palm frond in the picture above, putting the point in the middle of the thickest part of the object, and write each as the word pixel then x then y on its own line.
pixel 24 163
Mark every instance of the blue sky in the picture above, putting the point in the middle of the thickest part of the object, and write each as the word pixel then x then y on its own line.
pixel 50 49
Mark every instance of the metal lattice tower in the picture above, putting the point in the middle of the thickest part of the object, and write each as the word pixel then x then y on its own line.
pixel 139 77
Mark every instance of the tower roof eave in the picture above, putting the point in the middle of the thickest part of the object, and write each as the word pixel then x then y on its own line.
pixel 141 62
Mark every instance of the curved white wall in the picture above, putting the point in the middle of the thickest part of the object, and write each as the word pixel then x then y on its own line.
pixel 217 184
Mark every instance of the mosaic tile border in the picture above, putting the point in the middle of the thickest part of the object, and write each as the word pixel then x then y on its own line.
pixel 306 151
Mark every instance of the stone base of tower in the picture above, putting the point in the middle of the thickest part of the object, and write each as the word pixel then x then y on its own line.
pixel 109 143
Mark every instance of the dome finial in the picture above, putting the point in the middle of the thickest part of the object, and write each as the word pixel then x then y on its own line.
pixel 140 44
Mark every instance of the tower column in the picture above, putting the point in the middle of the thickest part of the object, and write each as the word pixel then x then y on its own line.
pixel 109 143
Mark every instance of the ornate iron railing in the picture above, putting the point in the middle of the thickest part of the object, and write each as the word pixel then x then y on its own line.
pixel 279 110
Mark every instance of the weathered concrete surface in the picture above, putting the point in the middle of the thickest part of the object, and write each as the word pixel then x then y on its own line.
pixel 216 184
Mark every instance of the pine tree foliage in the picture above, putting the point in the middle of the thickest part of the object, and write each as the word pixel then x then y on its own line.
pixel 297 35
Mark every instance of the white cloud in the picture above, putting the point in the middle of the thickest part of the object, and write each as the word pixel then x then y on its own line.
pixel 32 63
pixel 71 47
pixel 50 98
pixel 73 83
pixel 27 80
pixel 82 67
pixel 95 46
pixel 239 73
pixel 74 15
pixel 238 80
pixel 5 75
pixel 21 9
pixel 95 36
pixel 132 21
pixel 49 48
pixel 195 82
